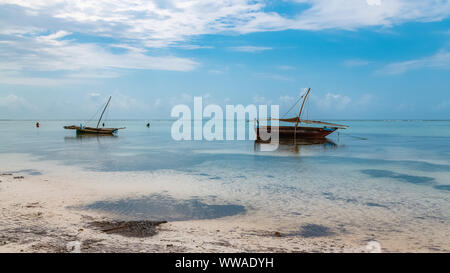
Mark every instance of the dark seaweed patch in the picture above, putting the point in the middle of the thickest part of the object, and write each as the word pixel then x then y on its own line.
pixel 28 171
pixel 371 204
pixel 419 180
pixel 215 178
pixel 165 208
pixel 423 180
pixel 331 197
pixel 128 228
pixel 442 187
pixel 313 230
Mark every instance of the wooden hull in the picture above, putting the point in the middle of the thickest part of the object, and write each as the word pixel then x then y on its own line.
pixel 97 131
pixel 93 131
pixel 289 132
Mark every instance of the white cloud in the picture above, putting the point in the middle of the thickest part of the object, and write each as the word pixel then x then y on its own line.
pixel 9 100
pixel 94 95
pixel 324 105
pixel 128 47
pixel 193 47
pixel 121 102
pixel 354 14
pixel 52 38
pixel 52 55
pixel 14 102
pixel 365 100
pixel 405 107
pixel 92 74
pixel 39 32
pixel 373 2
pixel 261 100
pixel 16 78
pixel 287 100
pixel 159 23
pixel 251 49
pixel 154 23
pixel 48 53
pixel 438 60
pixel 287 104
pixel 334 101
pixel 442 105
pixel 157 103
pixel 216 71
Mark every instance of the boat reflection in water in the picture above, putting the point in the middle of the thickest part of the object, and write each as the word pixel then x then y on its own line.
pixel 80 137
pixel 292 146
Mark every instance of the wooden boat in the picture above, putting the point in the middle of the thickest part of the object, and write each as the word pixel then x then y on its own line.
pixel 92 130
pixel 95 130
pixel 300 132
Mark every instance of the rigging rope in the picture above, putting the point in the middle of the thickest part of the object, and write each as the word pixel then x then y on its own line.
pixel 307 108
pixel 106 115
pixel 292 106
pixel 89 120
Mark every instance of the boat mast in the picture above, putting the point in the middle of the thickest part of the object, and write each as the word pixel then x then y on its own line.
pixel 301 108
pixel 103 111
pixel 298 118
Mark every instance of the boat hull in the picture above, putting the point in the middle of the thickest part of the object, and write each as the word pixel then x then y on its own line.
pixel 289 132
pixel 97 131
pixel 92 130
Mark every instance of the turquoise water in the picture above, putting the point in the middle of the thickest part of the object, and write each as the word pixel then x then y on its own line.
pixel 409 145
pixel 377 177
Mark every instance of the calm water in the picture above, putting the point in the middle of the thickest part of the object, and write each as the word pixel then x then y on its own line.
pixel 406 146
pixel 385 173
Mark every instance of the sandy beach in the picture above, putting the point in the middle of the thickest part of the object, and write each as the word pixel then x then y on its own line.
pixel 38 215
pixel 42 211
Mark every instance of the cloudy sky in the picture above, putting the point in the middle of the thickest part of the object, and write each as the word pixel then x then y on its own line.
pixel 368 59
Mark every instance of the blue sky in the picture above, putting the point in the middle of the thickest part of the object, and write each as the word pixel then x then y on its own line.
pixel 363 59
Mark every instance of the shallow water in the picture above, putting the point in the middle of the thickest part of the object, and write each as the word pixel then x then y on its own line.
pixel 374 179
pixel 159 207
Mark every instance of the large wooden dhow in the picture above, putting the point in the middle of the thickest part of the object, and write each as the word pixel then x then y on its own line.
pixel 314 129
pixel 95 130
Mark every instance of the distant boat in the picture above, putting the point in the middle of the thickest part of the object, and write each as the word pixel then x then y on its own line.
pixel 91 130
pixel 301 132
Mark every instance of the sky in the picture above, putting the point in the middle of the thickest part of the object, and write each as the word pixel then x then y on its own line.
pixel 362 59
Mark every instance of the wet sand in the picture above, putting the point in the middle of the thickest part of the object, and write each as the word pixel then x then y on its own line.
pixel 44 209
pixel 36 218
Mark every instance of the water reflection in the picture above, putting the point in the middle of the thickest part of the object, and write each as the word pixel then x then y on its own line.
pixel 295 146
pixel 79 138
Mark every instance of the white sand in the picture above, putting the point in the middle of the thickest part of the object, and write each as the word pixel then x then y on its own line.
pixel 36 216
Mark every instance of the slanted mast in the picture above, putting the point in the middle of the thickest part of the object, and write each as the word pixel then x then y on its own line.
pixel 95 130
pixel 301 108
pixel 300 132
pixel 101 116
pixel 297 120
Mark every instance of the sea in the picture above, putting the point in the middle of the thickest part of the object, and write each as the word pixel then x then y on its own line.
pixel 377 180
